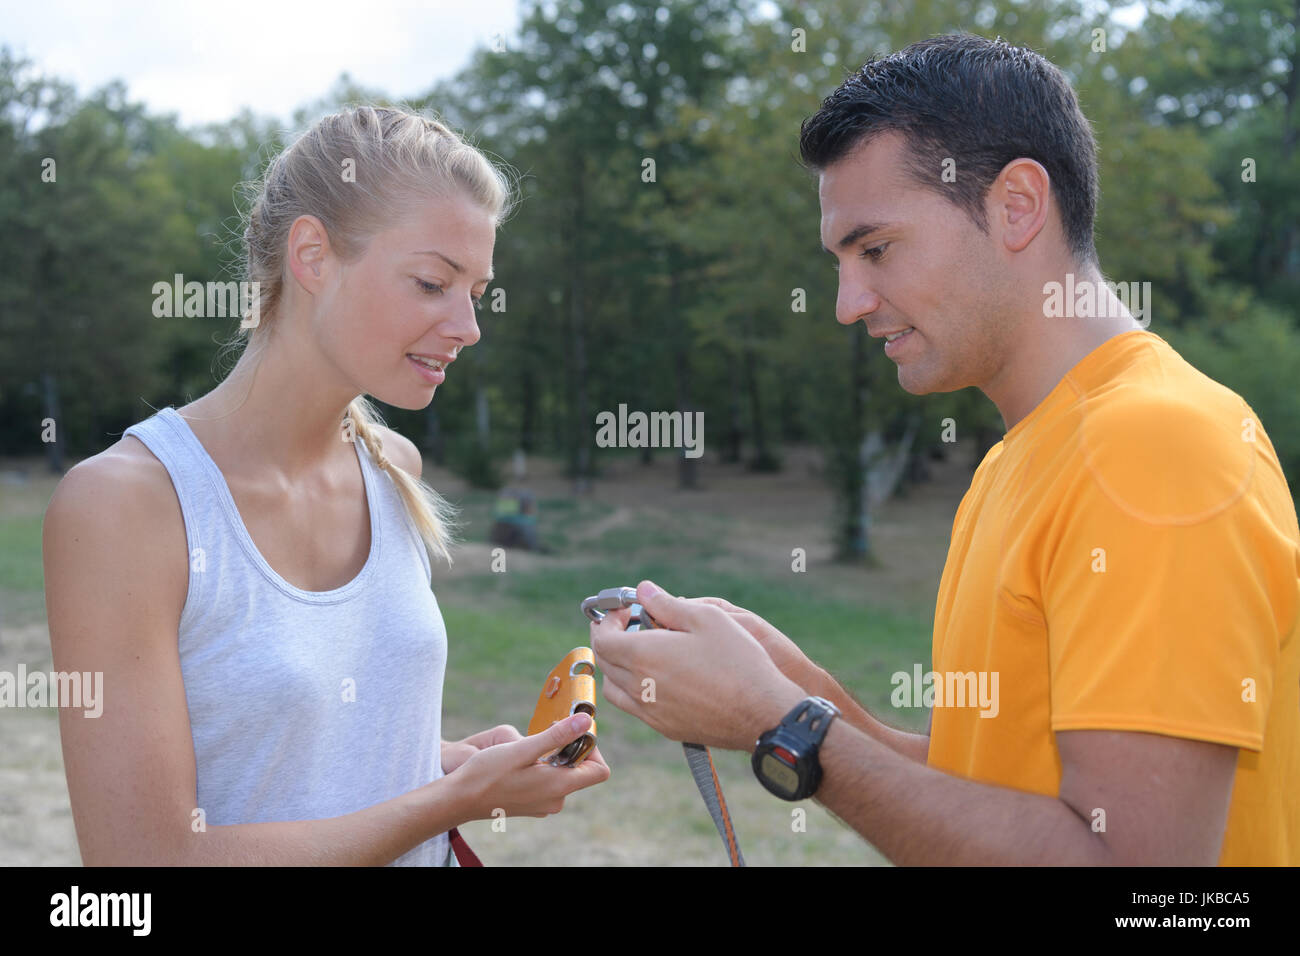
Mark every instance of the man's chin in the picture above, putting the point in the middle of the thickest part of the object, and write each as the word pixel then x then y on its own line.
pixel 917 381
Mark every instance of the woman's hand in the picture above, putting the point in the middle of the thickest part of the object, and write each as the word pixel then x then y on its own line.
pixel 455 753
pixel 508 775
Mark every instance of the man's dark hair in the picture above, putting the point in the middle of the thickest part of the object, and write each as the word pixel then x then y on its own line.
pixel 981 102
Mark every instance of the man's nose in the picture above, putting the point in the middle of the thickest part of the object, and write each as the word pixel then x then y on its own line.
pixel 854 301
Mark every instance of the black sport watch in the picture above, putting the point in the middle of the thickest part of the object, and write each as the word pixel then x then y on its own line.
pixel 785 759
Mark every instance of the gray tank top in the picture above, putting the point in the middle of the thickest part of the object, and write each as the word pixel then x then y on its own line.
pixel 304 704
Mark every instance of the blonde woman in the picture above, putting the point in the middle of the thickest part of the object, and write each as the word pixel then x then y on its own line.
pixel 251 572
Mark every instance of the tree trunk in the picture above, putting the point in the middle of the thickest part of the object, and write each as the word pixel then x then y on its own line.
pixel 1290 232
pixel 528 411
pixel 50 399
pixel 731 448
pixel 581 421
pixel 762 460
pixel 855 535
pixel 433 436
pixel 482 418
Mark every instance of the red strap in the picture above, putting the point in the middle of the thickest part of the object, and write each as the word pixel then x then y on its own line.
pixel 464 855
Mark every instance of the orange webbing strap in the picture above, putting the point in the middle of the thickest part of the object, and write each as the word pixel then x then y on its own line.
pixel 697 756
pixel 706 779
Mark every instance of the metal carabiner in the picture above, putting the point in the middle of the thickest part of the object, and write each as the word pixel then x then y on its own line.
pixel 698 757
pixel 611 599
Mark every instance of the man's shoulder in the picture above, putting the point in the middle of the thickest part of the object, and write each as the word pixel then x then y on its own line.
pixel 1168 444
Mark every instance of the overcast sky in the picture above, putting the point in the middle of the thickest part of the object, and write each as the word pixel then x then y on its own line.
pixel 205 61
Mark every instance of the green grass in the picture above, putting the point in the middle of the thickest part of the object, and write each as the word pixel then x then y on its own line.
pixel 528 621
pixel 22 576
pixel 20 554
pixel 559 520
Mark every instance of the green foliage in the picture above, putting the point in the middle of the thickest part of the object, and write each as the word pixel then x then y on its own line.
pixel 704 287
pixel 1253 349
pixel 474 462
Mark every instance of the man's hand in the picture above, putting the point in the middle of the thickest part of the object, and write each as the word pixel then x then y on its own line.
pixel 785 653
pixel 794 664
pixel 455 753
pixel 701 678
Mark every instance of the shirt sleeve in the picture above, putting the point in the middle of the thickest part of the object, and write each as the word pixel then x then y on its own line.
pixel 1168 583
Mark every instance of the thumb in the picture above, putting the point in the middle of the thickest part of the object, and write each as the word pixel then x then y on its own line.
pixel 668 611
pixel 534 748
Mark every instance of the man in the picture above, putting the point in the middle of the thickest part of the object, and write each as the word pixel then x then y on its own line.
pixel 1124 565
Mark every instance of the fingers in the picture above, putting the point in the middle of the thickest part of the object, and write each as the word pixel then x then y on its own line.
pixel 618 650
pixel 720 602
pixel 614 694
pixel 504 734
pixel 534 748
pixel 500 734
pixel 747 619
pixel 621 616
pixel 674 613
pixel 614 654
pixel 615 622
pixel 595 755
pixel 591 771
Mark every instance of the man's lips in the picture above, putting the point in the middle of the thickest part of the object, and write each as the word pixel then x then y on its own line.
pixel 886 333
pixel 897 341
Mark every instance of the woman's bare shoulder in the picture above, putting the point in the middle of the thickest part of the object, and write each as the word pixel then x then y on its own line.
pixel 123 482
pixel 401 450
pixel 118 512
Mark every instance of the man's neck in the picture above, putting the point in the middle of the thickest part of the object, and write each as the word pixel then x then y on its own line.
pixel 1049 345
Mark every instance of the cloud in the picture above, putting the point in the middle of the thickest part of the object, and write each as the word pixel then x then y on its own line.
pixel 206 62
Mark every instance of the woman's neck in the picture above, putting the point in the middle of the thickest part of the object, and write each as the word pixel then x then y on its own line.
pixel 280 406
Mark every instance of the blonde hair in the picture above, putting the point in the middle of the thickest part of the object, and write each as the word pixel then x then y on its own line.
pixel 396 153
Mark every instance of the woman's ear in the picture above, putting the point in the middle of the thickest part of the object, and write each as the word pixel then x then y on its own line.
pixel 308 248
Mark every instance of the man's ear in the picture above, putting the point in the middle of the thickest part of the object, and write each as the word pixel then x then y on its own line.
pixel 308 247
pixel 1018 202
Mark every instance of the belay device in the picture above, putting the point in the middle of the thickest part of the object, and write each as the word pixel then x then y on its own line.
pixel 569 689
pixel 697 756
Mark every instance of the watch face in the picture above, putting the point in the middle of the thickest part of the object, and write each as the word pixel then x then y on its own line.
pixel 779 773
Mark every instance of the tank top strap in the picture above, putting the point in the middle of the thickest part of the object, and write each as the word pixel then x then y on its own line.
pixel 170 440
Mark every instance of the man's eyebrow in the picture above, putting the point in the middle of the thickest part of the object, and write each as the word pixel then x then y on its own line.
pixel 859 232
pixel 451 262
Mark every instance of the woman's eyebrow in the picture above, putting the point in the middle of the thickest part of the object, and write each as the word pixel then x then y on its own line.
pixel 451 262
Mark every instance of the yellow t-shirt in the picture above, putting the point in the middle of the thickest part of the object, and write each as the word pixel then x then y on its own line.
pixel 1128 558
